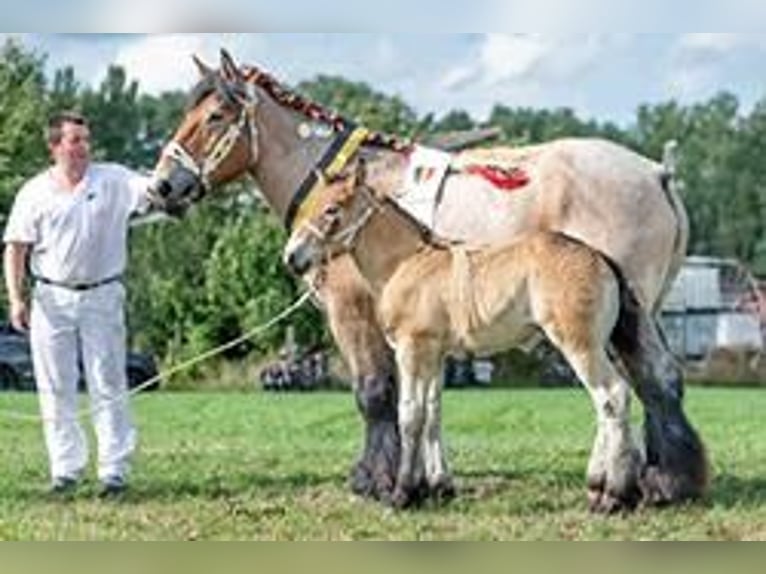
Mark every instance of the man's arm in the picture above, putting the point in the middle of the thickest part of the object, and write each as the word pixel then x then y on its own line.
pixel 14 260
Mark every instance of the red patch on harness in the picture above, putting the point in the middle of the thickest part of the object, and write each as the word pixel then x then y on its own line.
pixel 502 178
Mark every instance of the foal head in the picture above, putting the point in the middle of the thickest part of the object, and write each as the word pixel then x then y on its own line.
pixel 340 211
pixel 216 142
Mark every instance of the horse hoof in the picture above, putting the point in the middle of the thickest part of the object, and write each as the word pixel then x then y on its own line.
pixel 443 492
pixel 594 499
pixel 659 488
pixel 609 502
pixel 360 481
pixel 400 499
pixel 367 483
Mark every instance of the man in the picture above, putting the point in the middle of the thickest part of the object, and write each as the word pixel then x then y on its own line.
pixel 70 223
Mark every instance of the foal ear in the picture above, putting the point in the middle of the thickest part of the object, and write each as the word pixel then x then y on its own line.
pixel 202 67
pixel 229 69
pixel 360 172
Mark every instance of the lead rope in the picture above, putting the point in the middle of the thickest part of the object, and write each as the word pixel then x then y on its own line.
pixel 177 368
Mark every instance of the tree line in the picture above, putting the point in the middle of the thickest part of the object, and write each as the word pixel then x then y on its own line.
pixel 200 282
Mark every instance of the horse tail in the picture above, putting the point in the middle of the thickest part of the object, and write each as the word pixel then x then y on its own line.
pixel 668 182
pixel 676 458
pixel 625 334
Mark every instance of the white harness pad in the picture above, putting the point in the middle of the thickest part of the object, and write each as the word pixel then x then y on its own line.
pixel 419 192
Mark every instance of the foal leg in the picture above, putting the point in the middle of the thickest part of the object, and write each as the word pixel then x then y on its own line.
pixel 418 367
pixel 440 484
pixel 351 313
pixel 614 467
pixel 676 461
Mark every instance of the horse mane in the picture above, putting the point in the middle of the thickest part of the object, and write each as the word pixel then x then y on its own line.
pixel 312 110
pixel 288 98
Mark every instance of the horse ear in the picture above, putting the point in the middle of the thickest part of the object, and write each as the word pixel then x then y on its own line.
pixel 322 177
pixel 229 69
pixel 202 67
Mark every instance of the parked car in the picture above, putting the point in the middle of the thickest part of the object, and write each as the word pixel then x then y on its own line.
pixel 16 364
pixel 307 371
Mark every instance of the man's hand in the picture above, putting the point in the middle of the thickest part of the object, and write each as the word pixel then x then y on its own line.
pixel 19 315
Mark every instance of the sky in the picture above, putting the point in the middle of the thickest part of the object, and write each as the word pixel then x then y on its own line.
pixel 600 75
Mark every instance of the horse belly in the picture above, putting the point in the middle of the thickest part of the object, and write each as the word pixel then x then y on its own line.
pixel 509 328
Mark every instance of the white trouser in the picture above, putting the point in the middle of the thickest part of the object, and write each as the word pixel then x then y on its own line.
pixel 90 324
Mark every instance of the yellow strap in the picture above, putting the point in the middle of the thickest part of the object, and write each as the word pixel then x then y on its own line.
pixel 353 143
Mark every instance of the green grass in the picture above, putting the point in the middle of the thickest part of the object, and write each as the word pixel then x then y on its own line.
pixel 263 466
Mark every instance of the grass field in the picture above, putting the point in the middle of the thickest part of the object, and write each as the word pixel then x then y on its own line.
pixel 263 466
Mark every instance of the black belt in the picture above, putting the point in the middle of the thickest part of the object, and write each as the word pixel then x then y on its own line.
pixel 78 286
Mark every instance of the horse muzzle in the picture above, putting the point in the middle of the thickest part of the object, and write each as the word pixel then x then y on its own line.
pixel 297 262
pixel 175 193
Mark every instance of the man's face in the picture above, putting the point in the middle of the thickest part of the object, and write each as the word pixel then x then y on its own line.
pixel 73 150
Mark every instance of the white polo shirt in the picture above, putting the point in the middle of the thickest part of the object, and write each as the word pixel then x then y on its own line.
pixel 78 236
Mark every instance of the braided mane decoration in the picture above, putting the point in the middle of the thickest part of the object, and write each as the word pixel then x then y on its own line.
pixel 314 111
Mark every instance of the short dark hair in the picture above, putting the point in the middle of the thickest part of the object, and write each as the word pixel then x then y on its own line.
pixel 53 132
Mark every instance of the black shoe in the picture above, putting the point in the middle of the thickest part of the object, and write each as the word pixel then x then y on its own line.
pixel 112 487
pixel 63 486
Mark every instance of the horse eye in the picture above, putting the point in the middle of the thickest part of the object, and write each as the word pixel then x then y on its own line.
pixel 332 210
pixel 215 118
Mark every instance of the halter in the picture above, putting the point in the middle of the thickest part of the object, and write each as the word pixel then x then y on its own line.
pixel 223 146
pixel 347 237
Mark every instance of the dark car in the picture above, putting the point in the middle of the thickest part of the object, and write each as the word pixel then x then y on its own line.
pixel 16 364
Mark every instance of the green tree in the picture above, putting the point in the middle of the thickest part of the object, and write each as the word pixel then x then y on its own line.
pixel 456 120
pixel 359 102
pixel 22 119
pixel 65 92
pixel 114 113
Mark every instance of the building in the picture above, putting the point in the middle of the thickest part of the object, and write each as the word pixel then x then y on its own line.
pixel 714 304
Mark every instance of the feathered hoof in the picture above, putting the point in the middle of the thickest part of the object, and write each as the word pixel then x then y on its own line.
pixel 402 499
pixel 661 488
pixel 443 492
pixel 367 483
pixel 609 503
pixel 606 499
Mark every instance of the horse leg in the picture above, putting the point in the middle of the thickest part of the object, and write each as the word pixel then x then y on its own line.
pixel 676 461
pixel 614 467
pixel 351 313
pixel 440 484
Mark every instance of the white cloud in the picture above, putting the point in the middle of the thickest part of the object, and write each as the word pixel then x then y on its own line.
pixel 457 77
pixel 530 58
pixel 507 57
pixel 163 61
pixel 710 41
pixel 699 61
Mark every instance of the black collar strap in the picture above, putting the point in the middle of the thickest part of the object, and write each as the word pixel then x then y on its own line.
pixel 334 159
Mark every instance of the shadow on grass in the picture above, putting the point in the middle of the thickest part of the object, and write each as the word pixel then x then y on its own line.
pixel 527 491
pixel 729 491
pixel 216 486
pixel 210 486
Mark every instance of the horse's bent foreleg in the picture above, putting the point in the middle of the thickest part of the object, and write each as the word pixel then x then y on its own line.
pixel 351 313
pixel 676 462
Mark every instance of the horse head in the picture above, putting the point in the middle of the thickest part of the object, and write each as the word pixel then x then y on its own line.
pixel 216 142
pixel 341 209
